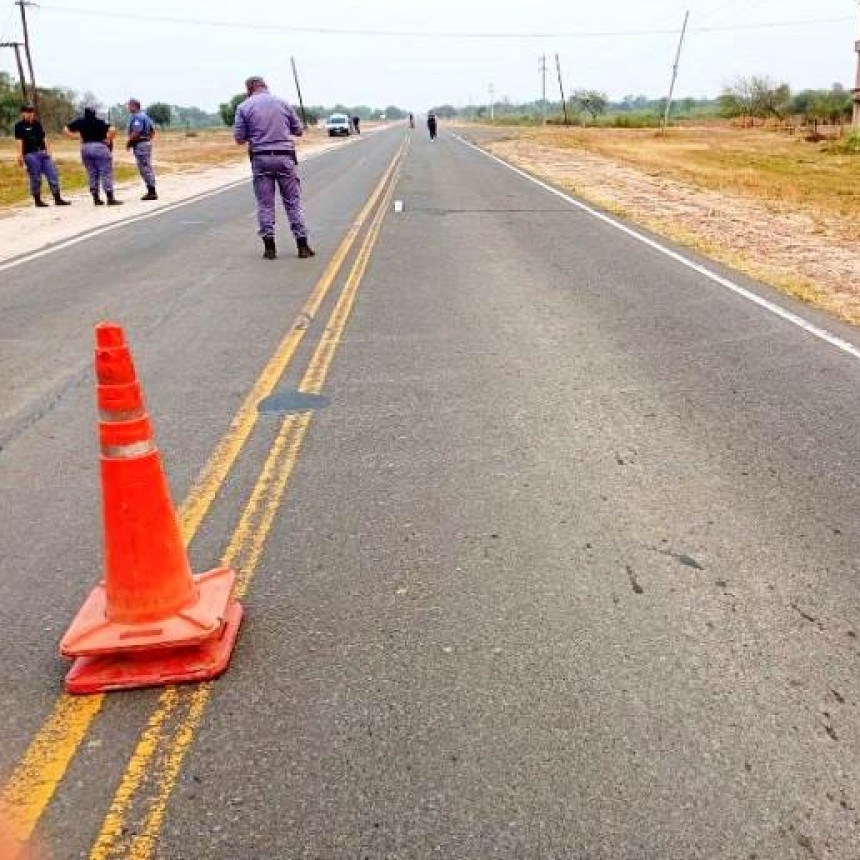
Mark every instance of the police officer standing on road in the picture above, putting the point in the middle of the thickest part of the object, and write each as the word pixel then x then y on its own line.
pixel 96 153
pixel 267 125
pixel 141 131
pixel 33 154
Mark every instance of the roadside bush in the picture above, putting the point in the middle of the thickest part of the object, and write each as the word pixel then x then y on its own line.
pixel 634 120
pixel 850 143
pixel 513 119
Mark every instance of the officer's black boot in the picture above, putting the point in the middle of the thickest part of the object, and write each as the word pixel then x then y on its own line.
pixel 305 250
pixel 58 201
pixel 150 193
pixel 97 200
pixel 37 199
pixel 112 201
pixel 270 252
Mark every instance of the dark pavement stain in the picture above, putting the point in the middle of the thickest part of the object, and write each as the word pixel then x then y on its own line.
pixel 290 400
pixel 634 583
pixel 806 843
pixel 807 617
pixel 685 559
pixel 828 726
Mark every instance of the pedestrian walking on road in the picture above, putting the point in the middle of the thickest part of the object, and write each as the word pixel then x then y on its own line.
pixel 34 155
pixel 267 125
pixel 96 138
pixel 431 125
pixel 356 124
pixel 141 131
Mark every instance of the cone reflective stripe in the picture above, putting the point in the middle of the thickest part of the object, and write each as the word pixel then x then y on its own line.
pixel 149 600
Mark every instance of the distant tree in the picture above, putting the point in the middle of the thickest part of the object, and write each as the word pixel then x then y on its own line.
pixel 194 117
pixel 228 109
pixel 738 99
pixel 119 115
pixel 444 111
pixel 10 103
pixel 833 105
pixel 685 106
pixel 89 99
pixel 801 102
pixel 638 102
pixel 592 101
pixel 755 97
pixel 770 98
pixel 394 112
pixel 57 107
pixel 160 114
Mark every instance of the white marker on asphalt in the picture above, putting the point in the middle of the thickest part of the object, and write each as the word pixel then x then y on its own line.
pixel 398 205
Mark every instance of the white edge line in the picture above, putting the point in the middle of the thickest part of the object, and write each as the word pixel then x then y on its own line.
pixel 98 231
pixel 793 318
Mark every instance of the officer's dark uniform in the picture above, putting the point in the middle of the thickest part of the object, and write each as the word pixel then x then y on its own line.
pixel 34 154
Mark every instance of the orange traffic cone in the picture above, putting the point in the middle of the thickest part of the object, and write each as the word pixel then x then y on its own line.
pixel 151 621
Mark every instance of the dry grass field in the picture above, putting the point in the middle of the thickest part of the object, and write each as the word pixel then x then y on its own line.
pixel 766 165
pixel 767 203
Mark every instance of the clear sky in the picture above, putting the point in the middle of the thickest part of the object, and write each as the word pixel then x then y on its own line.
pixel 418 55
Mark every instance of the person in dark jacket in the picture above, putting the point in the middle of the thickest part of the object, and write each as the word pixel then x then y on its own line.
pixel 431 125
pixel 96 153
pixel 34 155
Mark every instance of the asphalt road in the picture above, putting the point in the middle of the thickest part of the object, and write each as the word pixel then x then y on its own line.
pixel 564 564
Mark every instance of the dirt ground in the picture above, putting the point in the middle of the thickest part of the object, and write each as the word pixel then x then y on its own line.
pixel 778 209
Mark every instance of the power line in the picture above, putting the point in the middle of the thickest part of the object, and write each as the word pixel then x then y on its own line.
pixel 432 34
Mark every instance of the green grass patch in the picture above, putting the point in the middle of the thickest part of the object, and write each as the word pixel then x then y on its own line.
pixel 15 188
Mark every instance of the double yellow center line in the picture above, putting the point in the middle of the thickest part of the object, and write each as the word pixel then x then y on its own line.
pixel 154 766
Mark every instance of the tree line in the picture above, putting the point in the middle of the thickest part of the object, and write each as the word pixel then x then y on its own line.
pixel 762 98
pixel 60 105
pixel 753 98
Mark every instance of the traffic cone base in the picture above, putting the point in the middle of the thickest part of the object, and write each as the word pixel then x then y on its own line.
pixel 93 633
pixel 131 670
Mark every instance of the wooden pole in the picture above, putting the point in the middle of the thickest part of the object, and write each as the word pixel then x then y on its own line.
pixel 22 81
pixel 22 4
pixel 561 89
pixel 299 91
pixel 675 73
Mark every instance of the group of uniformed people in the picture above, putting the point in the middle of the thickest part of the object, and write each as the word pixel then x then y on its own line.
pixel 97 139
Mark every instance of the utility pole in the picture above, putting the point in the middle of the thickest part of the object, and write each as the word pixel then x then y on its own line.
pixel 21 79
pixel 299 91
pixel 23 4
pixel 561 89
pixel 492 90
pixel 856 91
pixel 675 73
pixel 542 70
